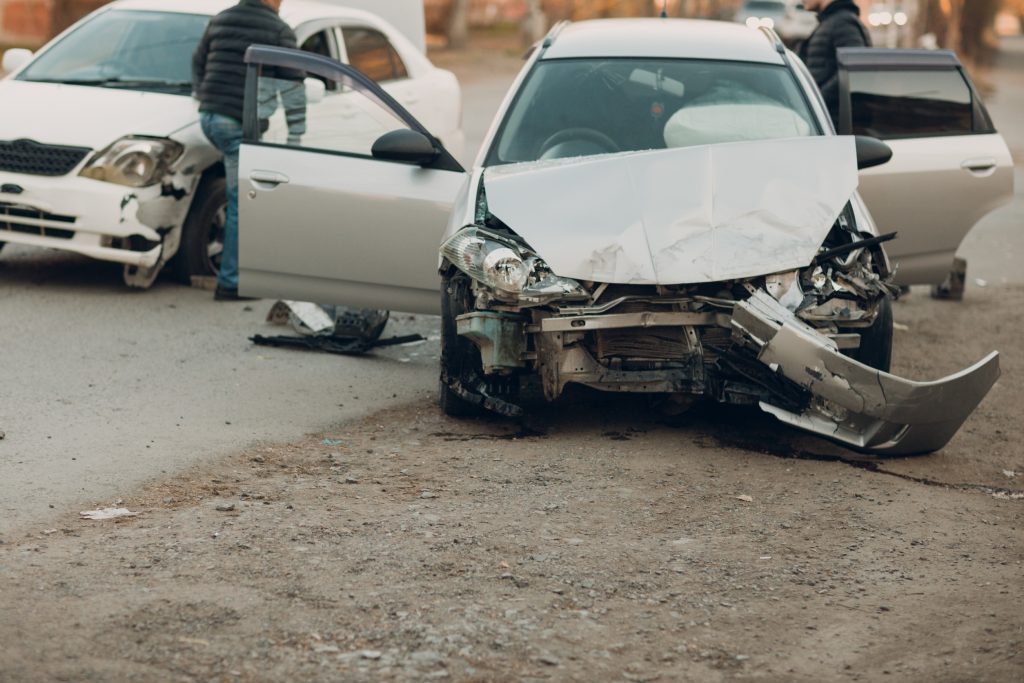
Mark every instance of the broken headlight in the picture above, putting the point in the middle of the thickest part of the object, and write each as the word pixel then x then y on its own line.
pixel 132 161
pixel 507 267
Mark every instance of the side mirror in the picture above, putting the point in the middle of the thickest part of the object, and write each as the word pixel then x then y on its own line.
pixel 315 90
pixel 406 146
pixel 871 152
pixel 14 59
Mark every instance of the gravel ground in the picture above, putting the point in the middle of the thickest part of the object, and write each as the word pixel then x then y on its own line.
pixel 597 541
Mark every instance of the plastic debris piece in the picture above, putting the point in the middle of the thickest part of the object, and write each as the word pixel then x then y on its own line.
pixel 107 513
pixel 305 317
pixel 745 498
pixel 332 442
pixel 330 344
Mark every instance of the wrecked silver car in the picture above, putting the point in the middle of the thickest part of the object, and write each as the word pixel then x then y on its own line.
pixel 661 207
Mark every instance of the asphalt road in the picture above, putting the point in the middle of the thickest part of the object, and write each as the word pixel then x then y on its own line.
pixel 103 388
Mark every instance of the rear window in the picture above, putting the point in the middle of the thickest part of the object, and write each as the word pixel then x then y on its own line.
pixel 907 104
pixel 372 53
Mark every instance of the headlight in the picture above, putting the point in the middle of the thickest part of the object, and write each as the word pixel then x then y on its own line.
pixel 508 267
pixel 135 162
pixel 489 258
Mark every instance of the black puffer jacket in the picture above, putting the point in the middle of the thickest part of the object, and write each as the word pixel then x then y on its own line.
pixel 839 26
pixel 218 65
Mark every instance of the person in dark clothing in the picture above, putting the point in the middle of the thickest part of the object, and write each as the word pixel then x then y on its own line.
pixel 839 26
pixel 218 81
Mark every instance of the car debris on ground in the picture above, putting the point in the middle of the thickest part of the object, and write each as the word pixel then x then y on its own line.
pixel 333 329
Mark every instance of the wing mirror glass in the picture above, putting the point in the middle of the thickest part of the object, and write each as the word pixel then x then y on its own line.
pixel 871 152
pixel 14 59
pixel 406 146
pixel 315 90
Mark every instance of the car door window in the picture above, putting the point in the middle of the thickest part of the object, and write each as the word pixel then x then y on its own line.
pixel 371 52
pixel 892 104
pixel 286 106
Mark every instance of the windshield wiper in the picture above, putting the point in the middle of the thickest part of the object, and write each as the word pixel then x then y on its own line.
pixel 117 81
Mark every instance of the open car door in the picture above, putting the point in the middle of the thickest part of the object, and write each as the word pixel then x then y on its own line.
pixel 343 195
pixel 949 167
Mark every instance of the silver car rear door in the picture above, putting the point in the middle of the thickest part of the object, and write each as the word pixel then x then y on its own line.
pixel 950 166
pixel 321 218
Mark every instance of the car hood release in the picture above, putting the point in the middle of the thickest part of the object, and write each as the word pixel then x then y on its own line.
pixel 679 216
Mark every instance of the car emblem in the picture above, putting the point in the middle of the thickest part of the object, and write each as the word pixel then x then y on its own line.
pixel 11 188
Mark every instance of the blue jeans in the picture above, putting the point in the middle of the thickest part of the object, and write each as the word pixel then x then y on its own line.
pixel 226 135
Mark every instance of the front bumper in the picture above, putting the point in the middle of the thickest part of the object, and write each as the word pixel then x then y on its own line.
pixel 854 404
pixel 90 217
pixel 796 373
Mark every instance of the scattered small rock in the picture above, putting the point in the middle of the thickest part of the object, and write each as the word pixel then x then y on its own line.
pixel 225 507
pixel 428 494
pixel 548 659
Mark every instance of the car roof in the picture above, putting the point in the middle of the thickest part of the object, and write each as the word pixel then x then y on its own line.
pixel 664 38
pixel 294 12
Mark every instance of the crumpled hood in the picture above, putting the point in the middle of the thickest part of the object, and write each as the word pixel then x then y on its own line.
pixel 679 216
pixel 84 116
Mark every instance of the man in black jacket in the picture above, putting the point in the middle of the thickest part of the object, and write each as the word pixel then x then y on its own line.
pixel 218 79
pixel 839 26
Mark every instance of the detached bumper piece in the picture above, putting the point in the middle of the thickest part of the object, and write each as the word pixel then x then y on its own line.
pixel 852 403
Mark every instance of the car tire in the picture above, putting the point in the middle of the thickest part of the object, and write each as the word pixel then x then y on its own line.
pixel 202 235
pixel 459 357
pixel 876 341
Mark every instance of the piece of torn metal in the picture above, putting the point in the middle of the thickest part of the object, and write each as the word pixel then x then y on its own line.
pixel 853 403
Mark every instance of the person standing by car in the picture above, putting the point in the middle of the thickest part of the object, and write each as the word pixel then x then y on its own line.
pixel 839 25
pixel 218 80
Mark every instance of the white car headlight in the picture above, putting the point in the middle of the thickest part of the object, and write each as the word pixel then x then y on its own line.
pixel 489 258
pixel 507 267
pixel 132 161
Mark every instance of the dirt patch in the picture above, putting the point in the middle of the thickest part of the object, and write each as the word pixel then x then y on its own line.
pixel 600 542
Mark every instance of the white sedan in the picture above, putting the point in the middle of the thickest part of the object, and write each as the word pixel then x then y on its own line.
pixel 662 206
pixel 101 152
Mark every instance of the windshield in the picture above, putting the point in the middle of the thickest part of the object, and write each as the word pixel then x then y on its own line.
pixel 121 48
pixel 582 107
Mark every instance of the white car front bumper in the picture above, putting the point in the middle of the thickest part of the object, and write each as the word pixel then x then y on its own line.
pixel 98 219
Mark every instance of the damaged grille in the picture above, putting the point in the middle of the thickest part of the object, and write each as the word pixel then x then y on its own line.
pixel 33 158
pixel 666 343
pixel 30 221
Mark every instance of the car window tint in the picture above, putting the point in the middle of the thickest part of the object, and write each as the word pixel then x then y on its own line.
pixel 318 44
pixel 902 104
pixel 291 113
pixel 372 53
pixel 124 45
pixel 582 107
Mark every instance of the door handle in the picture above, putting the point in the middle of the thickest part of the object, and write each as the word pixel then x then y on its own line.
pixel 979 167
pixel 268 180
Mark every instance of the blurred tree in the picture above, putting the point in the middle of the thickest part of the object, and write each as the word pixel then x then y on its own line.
pixel 458 27
pixel 535 23
pixel 962 25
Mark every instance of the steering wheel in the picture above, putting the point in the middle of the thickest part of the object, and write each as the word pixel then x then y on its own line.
pixel 579 135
